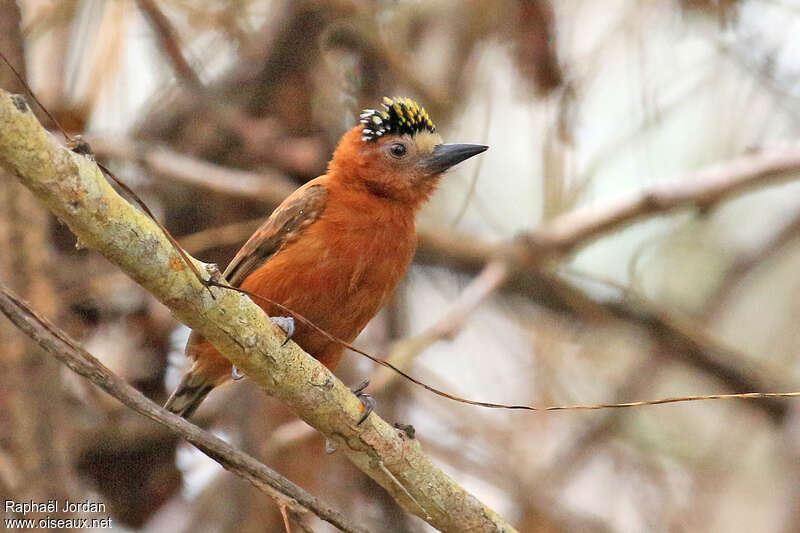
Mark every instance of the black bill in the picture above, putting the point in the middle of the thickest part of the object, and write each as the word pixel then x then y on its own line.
pixel 445 156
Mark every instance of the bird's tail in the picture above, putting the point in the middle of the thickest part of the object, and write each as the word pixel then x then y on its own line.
pixel 191 392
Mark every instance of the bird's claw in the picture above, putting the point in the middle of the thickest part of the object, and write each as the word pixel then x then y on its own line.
pixel 214 277
pixel 408 429
pixel 214 274
pixel 79 145
pixel 286 323
pixel 367 401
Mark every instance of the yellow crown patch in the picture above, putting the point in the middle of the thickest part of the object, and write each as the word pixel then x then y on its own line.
pixel 399 115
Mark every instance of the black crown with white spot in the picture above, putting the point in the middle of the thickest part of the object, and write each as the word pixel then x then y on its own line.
pixel 399 115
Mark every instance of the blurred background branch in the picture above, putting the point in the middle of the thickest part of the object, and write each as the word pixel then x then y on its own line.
pixel 587 111
pixel 59 345
pixel 74 189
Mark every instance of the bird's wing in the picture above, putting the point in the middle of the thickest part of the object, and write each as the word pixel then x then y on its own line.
pixel 301 209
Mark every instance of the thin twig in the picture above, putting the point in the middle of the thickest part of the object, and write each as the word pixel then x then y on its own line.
pixel 745 266
pixel 405 351
pixel 170 42
pixel 675 399
pixel 285 516
pixel 62 347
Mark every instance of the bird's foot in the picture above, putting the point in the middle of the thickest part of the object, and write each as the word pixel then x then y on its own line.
pixel 286 323
pixel 366 400
pixel 214 274
pixel 408 429
pixel 214 277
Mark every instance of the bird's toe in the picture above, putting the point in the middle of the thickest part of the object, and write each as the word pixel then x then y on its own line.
pixel 366 400
pixel 286 323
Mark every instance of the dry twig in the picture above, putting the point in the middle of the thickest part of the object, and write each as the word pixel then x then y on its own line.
pixel 170 42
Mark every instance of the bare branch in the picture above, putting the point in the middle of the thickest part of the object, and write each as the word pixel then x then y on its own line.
pixel 73 188
pixel 63 348
pixel 702 190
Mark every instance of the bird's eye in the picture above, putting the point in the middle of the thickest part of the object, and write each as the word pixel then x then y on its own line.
pixel 398 149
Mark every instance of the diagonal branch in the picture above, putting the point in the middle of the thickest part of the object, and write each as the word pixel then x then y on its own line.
pixel 169 41
pixel 63 348
pixel 73 188
pixel 702 190
pixel 744 266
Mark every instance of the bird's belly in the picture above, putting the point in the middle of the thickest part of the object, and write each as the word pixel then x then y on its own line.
pixel 338 288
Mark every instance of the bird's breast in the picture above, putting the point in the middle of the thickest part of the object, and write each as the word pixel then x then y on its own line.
pixel 340 270
pixel 365 260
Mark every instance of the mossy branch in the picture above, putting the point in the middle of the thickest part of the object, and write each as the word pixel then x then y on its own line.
pixel 74 189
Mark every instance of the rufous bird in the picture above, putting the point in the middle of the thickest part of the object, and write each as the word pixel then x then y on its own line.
pixel 335 249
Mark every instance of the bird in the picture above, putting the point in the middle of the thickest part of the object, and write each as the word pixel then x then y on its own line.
pixel 335 249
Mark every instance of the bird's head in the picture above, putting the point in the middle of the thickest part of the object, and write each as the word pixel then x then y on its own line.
pixel 396 153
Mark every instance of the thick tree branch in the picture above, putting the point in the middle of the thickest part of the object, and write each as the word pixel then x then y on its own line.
pixel 73 188
pixel 62 347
